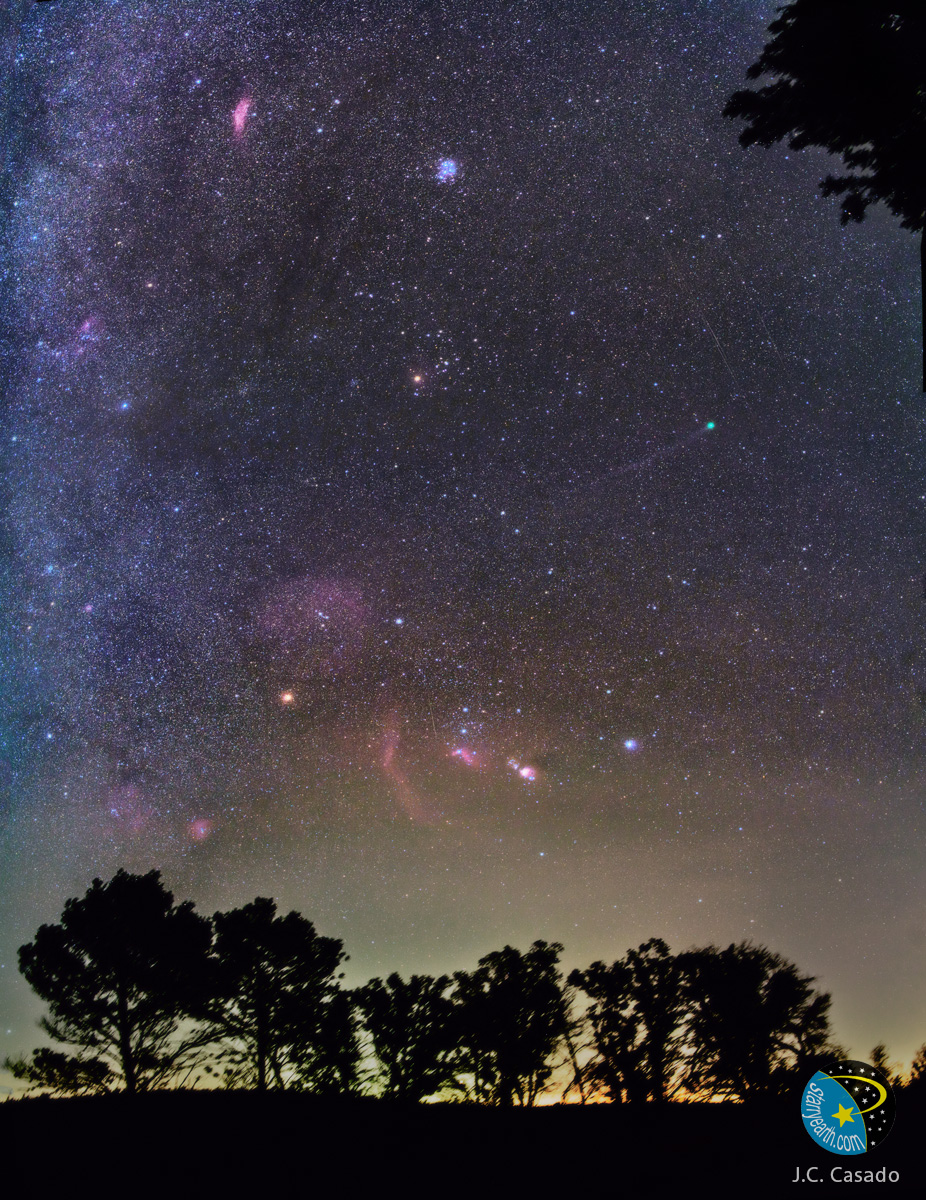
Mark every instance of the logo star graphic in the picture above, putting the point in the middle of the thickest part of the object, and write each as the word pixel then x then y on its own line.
pixel 844 1114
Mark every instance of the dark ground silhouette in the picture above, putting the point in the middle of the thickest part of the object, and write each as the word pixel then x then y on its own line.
pixel 243 1142
pixel 261 995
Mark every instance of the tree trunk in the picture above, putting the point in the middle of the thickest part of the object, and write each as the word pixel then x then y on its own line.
pixel 261 1023
pixel 577 1070
pixel 125 1043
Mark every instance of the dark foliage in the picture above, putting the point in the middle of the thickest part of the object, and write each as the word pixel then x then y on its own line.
pixel 754 1022
pixel 637 1018
pixel 62 1074
pixel 891 1070
pixel 851 78
pixel 275 980
pixel 412 1029
pixel 119 973
pixel 916 1080
pixel 327 1056
pixel 513 1018
pixel 144 992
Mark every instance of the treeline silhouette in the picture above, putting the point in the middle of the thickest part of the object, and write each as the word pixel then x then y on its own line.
pixel 146 994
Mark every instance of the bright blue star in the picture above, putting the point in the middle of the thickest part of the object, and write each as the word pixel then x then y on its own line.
pixel 630 744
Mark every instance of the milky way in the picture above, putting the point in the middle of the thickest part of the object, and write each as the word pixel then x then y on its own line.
pixel 454 489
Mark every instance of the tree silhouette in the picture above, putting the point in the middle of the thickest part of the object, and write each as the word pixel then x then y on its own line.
pixel 513 1017
pixel 880 1060
pixel 327 1055
pixel 852 79
pixel 916 1080
pixel 753 1021
pixel 411 1026
pixel 616 1068
pixel 119 973
pixel 660 1008
pixel 275 979
pixel 637 1016
pixel 62 1074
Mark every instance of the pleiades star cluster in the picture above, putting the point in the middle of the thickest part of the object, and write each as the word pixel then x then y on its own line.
pixel 453 488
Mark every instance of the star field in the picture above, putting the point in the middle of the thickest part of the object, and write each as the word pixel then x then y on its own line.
pixel 454 489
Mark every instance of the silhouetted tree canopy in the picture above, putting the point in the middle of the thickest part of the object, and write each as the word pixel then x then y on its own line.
pixel 616 1068
pixel 327 1055
pixel 637 1017
pixel 412 1029
pixel 880 1060
pixel 142 992
pixel 916 1080
pixel 849 76
pixel 275 978
pixel 62 1074
pixel 512 1013
pixel 753 1021
pixel 119 973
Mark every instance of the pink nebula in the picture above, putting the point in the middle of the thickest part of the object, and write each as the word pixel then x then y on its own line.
pixel 527 773
pixel 127 808
pixel 200 830
pixel 411 802
pixel 240 115
pixel 464 755
pixel 86 337
pixel 312 627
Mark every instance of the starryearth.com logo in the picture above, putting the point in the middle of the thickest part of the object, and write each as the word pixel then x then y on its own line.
pixel 848 1108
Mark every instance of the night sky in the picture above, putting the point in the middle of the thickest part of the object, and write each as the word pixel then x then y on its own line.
pixel 453 488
